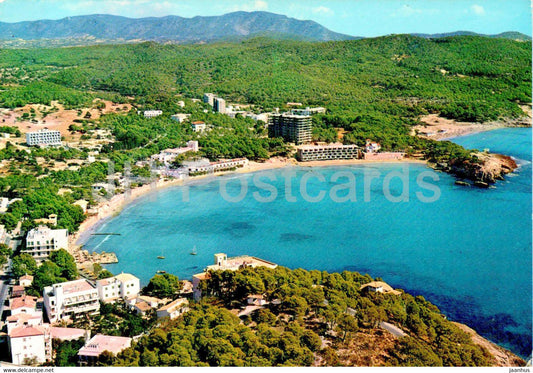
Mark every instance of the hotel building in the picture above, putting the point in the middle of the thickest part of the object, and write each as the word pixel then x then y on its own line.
pixel 118 287
pixel 327 152
pixel 44 137
pixel 220 105
pixel 41 241
pixel 64 300
pixel 209 98
pixel 292 128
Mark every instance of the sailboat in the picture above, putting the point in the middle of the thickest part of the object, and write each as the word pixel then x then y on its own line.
pixel 161 256
pixel 193 252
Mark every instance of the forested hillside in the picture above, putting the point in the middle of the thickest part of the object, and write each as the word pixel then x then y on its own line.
pixel 315 318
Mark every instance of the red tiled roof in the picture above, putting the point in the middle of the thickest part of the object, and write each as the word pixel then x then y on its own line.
pixel 26 331
pixel 24 301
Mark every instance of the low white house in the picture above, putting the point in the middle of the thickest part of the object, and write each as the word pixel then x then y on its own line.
pixel 100 343
pixel 26 280
pixel 118 287
pixel 152 113
pixel 256 300
pixel 174 309
pixel 24 304
pixel 198 126
pixel 180 118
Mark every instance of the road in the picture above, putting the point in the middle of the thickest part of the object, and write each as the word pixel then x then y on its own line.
pixel 394 330
pixel 3 294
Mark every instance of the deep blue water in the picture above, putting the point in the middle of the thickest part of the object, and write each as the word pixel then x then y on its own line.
pixel 469 252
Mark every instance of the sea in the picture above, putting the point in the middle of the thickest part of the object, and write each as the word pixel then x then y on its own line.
pixel 467 250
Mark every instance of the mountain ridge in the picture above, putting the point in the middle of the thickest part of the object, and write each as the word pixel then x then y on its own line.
pixel 231 27
pixel 168 28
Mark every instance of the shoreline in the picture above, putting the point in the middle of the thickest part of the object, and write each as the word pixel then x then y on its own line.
pixel 452 128
pixel 117 203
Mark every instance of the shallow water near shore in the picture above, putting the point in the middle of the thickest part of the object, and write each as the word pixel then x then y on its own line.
pixel 469 252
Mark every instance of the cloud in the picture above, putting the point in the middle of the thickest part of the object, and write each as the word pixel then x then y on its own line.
pixel 323 10
pixel 478 9
pixel 251 6
pixel 408 11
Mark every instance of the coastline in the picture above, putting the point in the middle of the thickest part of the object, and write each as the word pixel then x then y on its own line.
pixel 442 129
pixel 117 203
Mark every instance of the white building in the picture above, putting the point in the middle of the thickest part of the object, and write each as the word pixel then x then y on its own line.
pixel 64 300
pixel 209 167
pixel 100 343
pixel 44 137
pixel 152 113
pixel 327 152
pixel 30 344
pixel 41 241
pixel 220 105
pixel 209 98
pixel 168 155
pixel 20 319
pixel 174 309
pixel 118 287
pixel 181 103
pixel 180 118
pixel 25 304
pixel 223 263
pixel 26 280
pixel 309 111
pixel 198 126
pixel 372 147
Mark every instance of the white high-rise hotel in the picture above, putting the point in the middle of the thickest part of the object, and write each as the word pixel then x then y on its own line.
pixel 43 137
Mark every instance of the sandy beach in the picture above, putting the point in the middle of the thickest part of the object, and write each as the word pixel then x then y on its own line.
pixel 439 128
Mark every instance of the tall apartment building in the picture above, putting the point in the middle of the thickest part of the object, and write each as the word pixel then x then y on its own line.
pixel 118 287
pixel 68 299
pixel 219 105
pixel 293 128
pixel 41 241
pixel 44 137
pixel 209 98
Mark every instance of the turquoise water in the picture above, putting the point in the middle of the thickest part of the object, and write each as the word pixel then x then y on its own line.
pixel 469 252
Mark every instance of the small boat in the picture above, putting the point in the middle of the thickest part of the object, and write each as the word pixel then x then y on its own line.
pixel 160 257
pixel 193 252
pixel 161 272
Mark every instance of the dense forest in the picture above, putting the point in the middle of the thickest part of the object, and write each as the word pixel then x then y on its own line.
pixel 317 314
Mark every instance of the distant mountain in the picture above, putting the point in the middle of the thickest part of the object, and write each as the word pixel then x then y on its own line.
pixel 232 26
pixel 513 35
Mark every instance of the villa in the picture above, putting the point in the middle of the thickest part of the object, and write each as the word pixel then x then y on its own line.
pixel 100 343
pixel 173 309
pixel 223 263
pixel 379 287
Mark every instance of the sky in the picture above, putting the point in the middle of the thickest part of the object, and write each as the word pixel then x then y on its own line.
pixel 354 17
